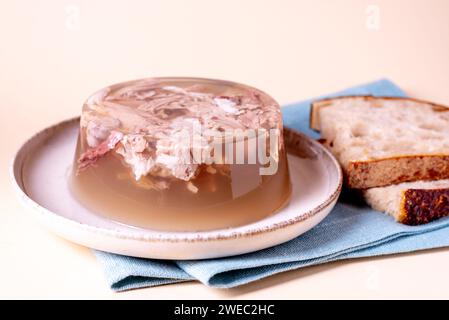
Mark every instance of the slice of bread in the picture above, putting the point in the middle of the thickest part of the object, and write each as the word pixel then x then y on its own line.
pixel 384 141
pixel 412 203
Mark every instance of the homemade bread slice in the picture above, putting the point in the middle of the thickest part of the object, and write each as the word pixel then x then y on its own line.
pixel 412 203
pixel 383 141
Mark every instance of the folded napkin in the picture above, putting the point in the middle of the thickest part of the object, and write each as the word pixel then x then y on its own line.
pixel 349 231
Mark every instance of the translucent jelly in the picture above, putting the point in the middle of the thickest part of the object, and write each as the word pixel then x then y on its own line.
pixel 181 154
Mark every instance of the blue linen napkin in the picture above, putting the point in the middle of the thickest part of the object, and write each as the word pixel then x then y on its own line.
pixel 349 231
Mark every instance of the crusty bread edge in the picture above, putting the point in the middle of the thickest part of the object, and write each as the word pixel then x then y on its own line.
pixel 402 213
pixel 420 206
pixel 314 119
pixel 359 173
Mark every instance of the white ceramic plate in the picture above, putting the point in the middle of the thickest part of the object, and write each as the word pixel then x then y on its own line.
pixel 39 173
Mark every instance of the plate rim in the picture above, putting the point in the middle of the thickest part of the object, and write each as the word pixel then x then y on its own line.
pixel 199 236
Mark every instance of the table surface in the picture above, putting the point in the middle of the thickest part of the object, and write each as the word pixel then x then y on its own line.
pixel 53 54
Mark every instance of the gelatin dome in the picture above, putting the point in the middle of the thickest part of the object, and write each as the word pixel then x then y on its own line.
pixel 181 154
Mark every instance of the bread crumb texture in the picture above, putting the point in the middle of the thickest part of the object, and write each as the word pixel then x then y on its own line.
pixel 383 141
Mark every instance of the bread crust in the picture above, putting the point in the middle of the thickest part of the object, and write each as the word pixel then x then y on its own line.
pixel 314 121
pixel 395 170
pixel 379 172
pixel 420 206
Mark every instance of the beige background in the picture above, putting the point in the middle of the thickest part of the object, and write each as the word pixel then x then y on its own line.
pixel 50 61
